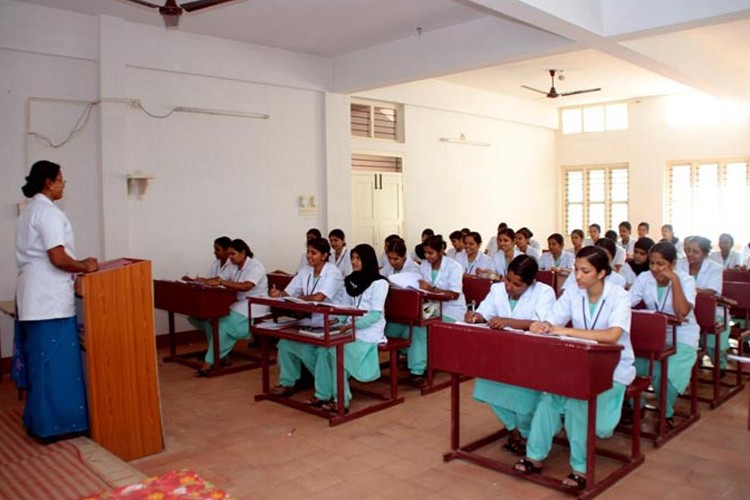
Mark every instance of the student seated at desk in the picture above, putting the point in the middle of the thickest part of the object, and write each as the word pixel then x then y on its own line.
pixel 709 280
pixel 312 234
pixel 513 304
pixel 249 280
pixel 222 266
pixel 457 242
pixel 383 259
pixel 599 311
pixel 442 275
pixel 522 240
pixel 639 263
pixel 725 256
pixel 507 251
pixel 418 253
pixel 365 289
pixel 627 242
pixel 615 278
pixel 667 234
pixel 471 259
pixel 576 237
pixel 397 261
pixel 339 253
pixel 492 248
pixel 671 291
pixel 619 257
pixel 556 259
pixel 318 281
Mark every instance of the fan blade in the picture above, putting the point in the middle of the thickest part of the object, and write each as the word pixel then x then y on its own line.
pixel 144 3
pixel 533 89
pixel 576 92
pixel 202 4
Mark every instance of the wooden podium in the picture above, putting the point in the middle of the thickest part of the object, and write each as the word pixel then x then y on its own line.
pixel 122 378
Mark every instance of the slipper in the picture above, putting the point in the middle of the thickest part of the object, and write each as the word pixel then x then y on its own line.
pixel 204 372
pixel 580 481
pixel 317 403
pixel 525 466
pixel 282 390
pixel 332 406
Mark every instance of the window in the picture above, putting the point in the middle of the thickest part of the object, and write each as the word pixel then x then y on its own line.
pixel 708 197
pixel 595 194
pixel 376 163
pixel 375 120
pixel 597 118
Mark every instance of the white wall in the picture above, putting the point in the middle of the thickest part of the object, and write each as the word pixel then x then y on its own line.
pixel 647 146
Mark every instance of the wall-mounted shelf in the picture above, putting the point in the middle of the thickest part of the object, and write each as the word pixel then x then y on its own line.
pixel 138 184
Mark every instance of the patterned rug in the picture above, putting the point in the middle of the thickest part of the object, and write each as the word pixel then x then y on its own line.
pixel 30 470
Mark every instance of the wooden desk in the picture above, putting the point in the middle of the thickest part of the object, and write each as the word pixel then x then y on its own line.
pixel 202 302
pixel 572 369
pixel 265 331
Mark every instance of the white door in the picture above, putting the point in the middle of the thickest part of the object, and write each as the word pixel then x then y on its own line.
pixel 378 206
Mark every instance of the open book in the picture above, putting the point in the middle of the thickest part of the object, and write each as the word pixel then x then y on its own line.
pixel 297 300
pixel 319 331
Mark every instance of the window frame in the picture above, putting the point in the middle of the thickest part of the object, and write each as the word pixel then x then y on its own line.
pixel 399 126
pixel 582 111
pixel 608 202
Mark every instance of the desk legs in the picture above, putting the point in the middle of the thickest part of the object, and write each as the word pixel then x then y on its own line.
pixel 215 341
pixel 340 408
pixel 455 412
pixel 172 337
pixel 591 444
pixel 265 364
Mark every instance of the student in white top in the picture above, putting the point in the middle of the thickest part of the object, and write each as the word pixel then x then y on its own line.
pixel 397 261
pixel 668 290
pixel 667 234
pixel 522 240
pixel 728 258
pixel 457 244
pixel 627 242
pixel 318 281
pixel 614 278
pixel 365 289
pixel 643 229
pixel 491 249
pixel 507 251
pixel 383 258
pixel 47 354
pixel 556 259
pixel 248 280
pixel 598 311
pixel 471 259
pixel 577 239
pixel 339 253
pixel 595 233
pixel 639 263
pixel 709 279
pixel 312 234
pixel 418 253
pixel 513 304
pixel 222 266
pixel 619 259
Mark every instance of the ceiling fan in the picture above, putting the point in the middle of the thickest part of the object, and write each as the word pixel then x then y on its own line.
pixel 171 11
pixel 553 93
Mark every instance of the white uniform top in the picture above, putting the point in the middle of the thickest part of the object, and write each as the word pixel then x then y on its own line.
pixel 451 252
pixel 330 283
pixel 533 253
pixel 481 261
pixel 629 247
pixel 344 262
pixel 534 304
pixel 645 289
pixel 612 310
pixel 409 267
pixel 491 248
pixel 498 262
pixel 42 290
pixel 547 261
pixel 372 299
pixel 710 276
pixel 449 277
pixel 535 245
pixel 734 259
pixel 627 272
pixel 254 272
pixel 382 260
pixel 613 278
pixel 619 259
pixel 302 261
pixel 224 272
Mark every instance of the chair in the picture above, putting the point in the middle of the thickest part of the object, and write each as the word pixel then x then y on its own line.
pixel 476 289
pixel 546 277
pixel 736 275
pixel 739 292
pixel 705 315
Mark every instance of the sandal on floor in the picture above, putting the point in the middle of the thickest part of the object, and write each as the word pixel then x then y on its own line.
pixel 225 361
pixel 316 403
pixel 579 480
pixel 525 466
pixel 282 390
pixel 514 444
pixel 332 406
pixel 670 423
pixel 204 372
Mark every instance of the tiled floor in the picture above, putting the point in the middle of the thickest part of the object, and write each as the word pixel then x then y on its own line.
pixel 268 451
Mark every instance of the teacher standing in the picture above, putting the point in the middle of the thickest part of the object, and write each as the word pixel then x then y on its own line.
pixel 47 351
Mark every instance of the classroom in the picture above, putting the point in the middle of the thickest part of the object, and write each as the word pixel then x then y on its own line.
pixel 262 119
